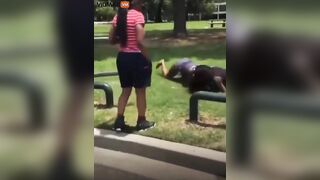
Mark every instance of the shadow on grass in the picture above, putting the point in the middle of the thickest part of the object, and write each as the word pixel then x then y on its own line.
pixel 202 44
pixel 103 106
pixel 175 80
pixel 109 126
pixel 206 51
pixel 169 33
pixel 216 126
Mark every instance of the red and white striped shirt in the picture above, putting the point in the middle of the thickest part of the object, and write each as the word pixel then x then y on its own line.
pixel 134 18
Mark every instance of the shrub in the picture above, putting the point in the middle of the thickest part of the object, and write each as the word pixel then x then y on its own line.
pixel 105 13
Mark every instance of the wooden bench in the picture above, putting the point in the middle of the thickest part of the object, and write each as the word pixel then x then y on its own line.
pixel 215 22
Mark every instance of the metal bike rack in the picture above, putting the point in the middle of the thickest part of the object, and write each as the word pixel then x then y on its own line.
pixel 106 88
pixel 106 74
pixel 202 95
pixel 267 102
pixel 108 93
pixel 34 96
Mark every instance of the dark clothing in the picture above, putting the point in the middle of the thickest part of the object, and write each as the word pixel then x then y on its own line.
pixel 182 71
pixel 134 70
pixel 76 38
pixel 216 71
pixel 185 72
pixel 185 66
pixel 204 79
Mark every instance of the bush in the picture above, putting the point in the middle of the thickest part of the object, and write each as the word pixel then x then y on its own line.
pixel 105 13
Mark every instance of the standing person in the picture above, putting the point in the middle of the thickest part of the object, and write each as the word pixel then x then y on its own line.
pixel 134 66
pixel 77 50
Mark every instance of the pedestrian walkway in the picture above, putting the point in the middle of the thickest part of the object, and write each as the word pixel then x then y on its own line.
pixel 110 165
pixel 154 155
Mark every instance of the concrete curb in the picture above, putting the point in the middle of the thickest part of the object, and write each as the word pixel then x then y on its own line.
pixel 109 164
pixel 197 158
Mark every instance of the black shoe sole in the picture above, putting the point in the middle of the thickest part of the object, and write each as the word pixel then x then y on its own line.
pixel 151 127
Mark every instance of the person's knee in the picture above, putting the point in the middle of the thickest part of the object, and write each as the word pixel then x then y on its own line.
pixel 140 91
pixel 126 92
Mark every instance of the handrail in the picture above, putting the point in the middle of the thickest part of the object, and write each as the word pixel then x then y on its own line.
pixel 108 93
pixel 106 74
pixel 203 95
pixel 35 96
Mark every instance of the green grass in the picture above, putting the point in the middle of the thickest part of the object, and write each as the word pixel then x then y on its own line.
pixel 155 29
pixel 168 101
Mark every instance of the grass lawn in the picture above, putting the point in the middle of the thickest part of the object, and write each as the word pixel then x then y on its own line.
pixel 168 101
pixel 160 29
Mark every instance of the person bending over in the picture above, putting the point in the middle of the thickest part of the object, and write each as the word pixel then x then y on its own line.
pixel 195 77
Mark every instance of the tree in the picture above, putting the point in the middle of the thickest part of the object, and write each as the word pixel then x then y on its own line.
pixel 167 10
pixel 179 14
pixel 105 13
pixel 159 11
pixel 207 7
pixel 149 7
pixel 200 7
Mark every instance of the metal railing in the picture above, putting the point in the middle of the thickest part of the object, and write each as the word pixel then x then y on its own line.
pixel 203 95
pixel 106 88
pixel 283 103
pixel 34 94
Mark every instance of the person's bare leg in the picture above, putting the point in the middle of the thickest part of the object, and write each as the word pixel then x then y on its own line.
pixel 220 84
pixel 68 127
pixel 123 100
pixel 141 102
pixel 142 122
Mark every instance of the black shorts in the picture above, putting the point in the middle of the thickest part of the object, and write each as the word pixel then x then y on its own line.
pixel 134 70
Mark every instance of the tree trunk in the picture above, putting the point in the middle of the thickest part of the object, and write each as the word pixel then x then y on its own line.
pixel 180 29
pixel 114 5
pixel 159 12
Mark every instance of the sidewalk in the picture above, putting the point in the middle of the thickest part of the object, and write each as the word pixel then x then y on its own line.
pixel 190 157
pixel 110 164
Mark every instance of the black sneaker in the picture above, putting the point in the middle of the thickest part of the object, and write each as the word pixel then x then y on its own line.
pixel 119 124
pixel 143 125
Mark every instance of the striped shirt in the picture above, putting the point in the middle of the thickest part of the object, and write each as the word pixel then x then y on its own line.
pixel 134 18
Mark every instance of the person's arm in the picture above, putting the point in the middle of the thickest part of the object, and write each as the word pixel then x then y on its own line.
pixel 140 39
pixel 219 82
pixel 140 22
pixel 112 36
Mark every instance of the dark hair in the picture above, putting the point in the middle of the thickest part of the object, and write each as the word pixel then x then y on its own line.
pixel 203 80
pixel 121 30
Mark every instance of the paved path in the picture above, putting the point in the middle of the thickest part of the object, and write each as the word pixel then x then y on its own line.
pixel 110 164
pixel 154 155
